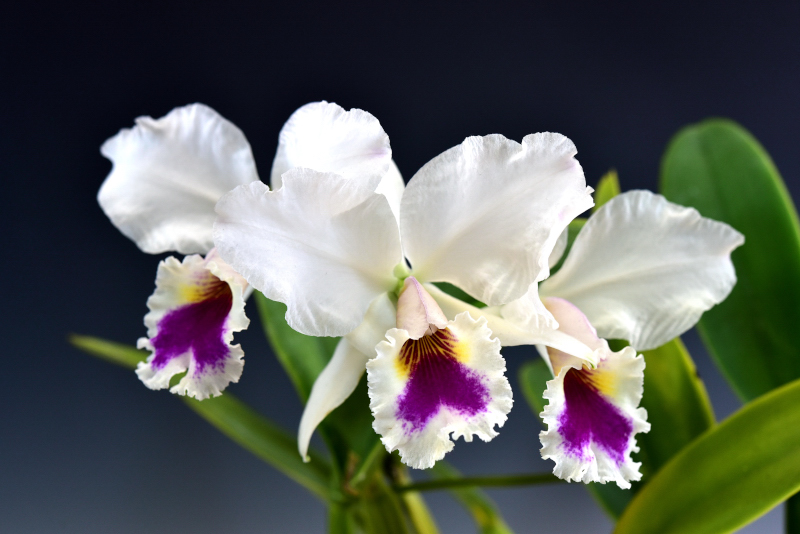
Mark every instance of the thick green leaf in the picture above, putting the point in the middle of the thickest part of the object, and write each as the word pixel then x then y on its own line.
pixel 677 405
pixel 302 357
pixel 717 167
pixel 264 439
pixel 479 505
pixel 348 429
pixel 607 188
pixel 792 515
pixel 234 419
pixel 727 477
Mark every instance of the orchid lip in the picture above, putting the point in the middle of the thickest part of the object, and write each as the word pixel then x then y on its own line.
pixel 437 380
pixel 590 419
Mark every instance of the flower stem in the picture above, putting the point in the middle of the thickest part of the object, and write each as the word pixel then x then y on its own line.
pixel 495 481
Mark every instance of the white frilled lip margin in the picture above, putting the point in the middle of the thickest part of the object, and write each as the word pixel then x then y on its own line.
pixel 473 394
pixel 172 331
pixel 592 415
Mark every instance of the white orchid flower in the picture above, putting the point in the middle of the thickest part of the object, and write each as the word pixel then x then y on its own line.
pixel 484 216
pixel 644 270
pixel 167 177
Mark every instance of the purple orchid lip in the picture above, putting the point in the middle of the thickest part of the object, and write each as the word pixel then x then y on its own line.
pixel 437 380
pixel 198 327
pixel 589 418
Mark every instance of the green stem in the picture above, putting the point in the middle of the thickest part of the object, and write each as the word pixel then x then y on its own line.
pixel 496 481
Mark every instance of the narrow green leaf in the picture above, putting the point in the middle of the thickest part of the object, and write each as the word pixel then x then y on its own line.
pixel 478 504
pixel 729 476
pixel 117 353
pixel 234 419
pixel 381 509
pixel 264 439
pixel 459 293
pixel 717 167
pixel 677 405
pixel 416 507
pixel 340 519
pixel 607 188
pixel 302 357
pixel 348 429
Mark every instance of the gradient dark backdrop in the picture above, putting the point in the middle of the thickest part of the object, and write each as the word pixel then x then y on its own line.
pixel 85 447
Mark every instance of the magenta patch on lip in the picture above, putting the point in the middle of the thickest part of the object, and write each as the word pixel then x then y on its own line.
pixel 198 327
pixel 589 417
pixel 437 379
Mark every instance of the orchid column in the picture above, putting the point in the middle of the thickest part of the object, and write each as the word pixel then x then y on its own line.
pixel 484 216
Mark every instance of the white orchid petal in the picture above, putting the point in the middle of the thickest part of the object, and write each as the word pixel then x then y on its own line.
pixel 559 248
pixel 528 312
pixel 324 137
pixel 644 269
pixel 486 214
pixel 509 333
pixel 379 318
pixel 193 315
pixel 333 385
pixel 169 173
pixel 323 245
pixel 392 187
pixel 592 415
pixel 422 391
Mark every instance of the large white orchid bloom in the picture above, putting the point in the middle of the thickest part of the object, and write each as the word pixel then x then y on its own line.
pixel 484 215
pixel 642 269
pixel 168 174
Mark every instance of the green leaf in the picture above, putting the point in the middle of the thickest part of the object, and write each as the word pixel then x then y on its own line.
pixel 264 439
pixel 302 357
pixel 792 515
pixel 607 188
pixel 117 353
pixel 348 429
pixel 477 502
pixel 717 167
pixel 677 405
pixel 234 419
pixel 533 377
pixel 459 293
pixel 727 477
pixel 573 230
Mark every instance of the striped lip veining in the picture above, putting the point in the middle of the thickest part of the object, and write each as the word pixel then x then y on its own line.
pixel 437 380
pixel 198 327
pixel 589 418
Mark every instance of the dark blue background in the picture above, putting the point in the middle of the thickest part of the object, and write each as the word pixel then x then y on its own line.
pixel 85 447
